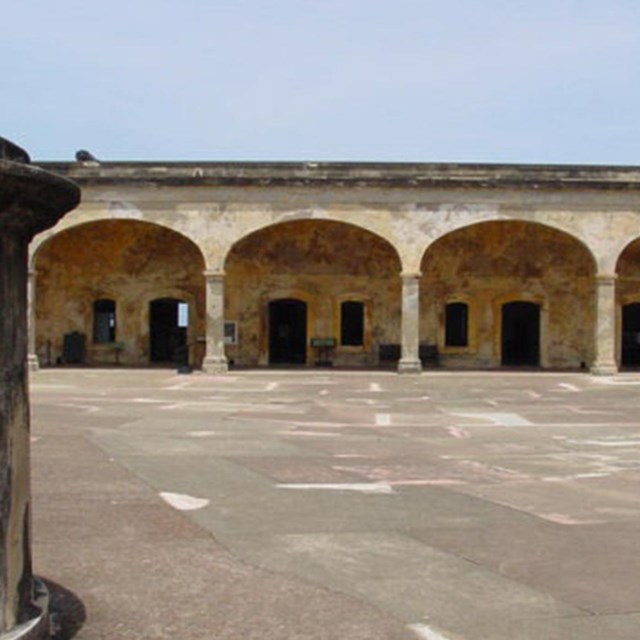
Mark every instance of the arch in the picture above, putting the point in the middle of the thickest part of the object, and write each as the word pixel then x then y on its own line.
pixel 129 261
pixel 335 222
pixel 69 224
pixel 325 259
pixel 462 225
pixel 512 260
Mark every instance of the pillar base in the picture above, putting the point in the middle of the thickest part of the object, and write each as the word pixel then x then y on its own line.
pixel 604 369
pixel 409 366
pixel 215 365
pixel 38 628
pixel 33 364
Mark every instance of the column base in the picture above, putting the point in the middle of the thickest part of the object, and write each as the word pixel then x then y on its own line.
pixel 38 628
pixel 33 364
pixel 604 369
pixel 215 365
pixel 409 366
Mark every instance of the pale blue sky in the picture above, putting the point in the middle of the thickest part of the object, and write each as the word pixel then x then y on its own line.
pixel 538 81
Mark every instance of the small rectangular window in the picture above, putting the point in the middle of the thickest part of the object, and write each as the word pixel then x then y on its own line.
pixel 352 324
pixel 104 321
pixel 457 325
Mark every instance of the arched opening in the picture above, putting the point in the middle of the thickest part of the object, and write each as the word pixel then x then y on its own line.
pixel 321 263
pixel 631 335
pixel 520 334
pixel 98 280
pixel 628 299
pixel 287 331
pixel 168 325
pixel 469 274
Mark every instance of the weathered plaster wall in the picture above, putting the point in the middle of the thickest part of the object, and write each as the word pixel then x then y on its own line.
pixel 128 261
pixel 321 263
pixel 492 263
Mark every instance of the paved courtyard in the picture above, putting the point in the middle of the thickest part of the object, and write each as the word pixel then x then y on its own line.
pixel 318 504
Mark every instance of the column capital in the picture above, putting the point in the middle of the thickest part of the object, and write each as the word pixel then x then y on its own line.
pixel 211 274
pixel 606 278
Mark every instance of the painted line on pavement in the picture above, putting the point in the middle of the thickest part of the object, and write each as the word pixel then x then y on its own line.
pixel 360 487
pixel 569 387
pixel 374 386
pixel 272 386
pixel 183 502
pixel 383 419
pixel 499 419
pixel 425 632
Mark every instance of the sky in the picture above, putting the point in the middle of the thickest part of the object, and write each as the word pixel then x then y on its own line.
pixel 524 81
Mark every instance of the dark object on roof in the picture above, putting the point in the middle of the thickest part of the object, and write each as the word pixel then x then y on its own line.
pixel 82 155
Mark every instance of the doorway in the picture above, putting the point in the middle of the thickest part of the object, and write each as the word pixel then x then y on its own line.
pixel 168 323
pixel 521 334
pixel 631 335
pixel 287 331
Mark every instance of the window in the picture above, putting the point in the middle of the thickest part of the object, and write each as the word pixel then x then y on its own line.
pixel 352 324
pixel 104 321
pixel 456 325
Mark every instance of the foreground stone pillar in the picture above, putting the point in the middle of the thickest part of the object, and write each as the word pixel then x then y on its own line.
pixel 410 353
pixel 605 360
pixel 31 200
pixel 215 360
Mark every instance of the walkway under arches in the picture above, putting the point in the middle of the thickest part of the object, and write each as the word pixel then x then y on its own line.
pixel 95 283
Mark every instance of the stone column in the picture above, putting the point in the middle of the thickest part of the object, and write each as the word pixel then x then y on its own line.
pixel 31 200
pixel 32 356
pixel 410 356
pixel 215 360
pixel 605 338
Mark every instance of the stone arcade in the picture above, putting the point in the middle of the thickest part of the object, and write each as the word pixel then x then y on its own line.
pixel 476 266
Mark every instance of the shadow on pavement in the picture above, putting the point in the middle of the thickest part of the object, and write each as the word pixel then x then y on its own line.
pixel 66 610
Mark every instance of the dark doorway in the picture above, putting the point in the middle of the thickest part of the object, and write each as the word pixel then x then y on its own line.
pixel 521 334
pixel 287 332
pixel 168 322
pixel 631 335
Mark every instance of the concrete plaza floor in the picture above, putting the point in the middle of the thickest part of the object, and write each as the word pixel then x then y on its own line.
pixel 334 505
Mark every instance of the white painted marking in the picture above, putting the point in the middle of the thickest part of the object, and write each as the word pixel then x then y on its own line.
pixel 201 434
pixel 425 632
pixel 607 443
pixel 533 395
pixel 375 387
pixel 500 419
pixel 348 455
pixel 456 432
pixel 183 502
pixel 146 400
pixel 177 387
pixel 324 392
pixel 34 439
pixel 576 476
pixel 312 434
pixel 569 387
pixel 383 419
pixel 493 403
pixel 272 386
pixel 360 487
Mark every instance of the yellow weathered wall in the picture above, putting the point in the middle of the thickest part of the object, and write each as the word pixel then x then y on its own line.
pixel 128 261
pixel 322 263
pixel 488 264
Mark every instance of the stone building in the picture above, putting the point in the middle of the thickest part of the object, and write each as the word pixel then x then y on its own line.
pixel 406 265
